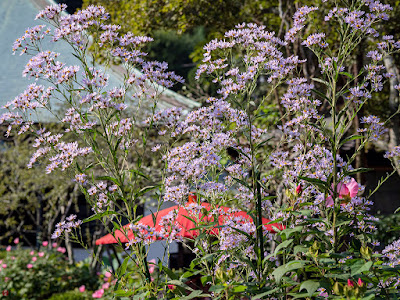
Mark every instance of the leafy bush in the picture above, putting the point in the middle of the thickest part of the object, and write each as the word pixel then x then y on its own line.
pixel 70 295
pixel 28 274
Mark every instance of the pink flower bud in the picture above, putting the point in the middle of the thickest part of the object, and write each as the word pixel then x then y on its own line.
pixel 54 245
pixel 41 254
pixel 171 287
pixel 360 282
pixel 4 266
pixel 350 283
pixel 299 189
pixel 29 266
pixel 34 258
pixel 45 243
pixel 82 288
pixel 8 248
pixel 16 241
pixel 32 252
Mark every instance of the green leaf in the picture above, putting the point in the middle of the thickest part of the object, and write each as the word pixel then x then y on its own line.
pixel 99 216
pixel 282 245
pixel 195 294
pixel 311 286
pixel 315 181
pixel 242 182
pixel 262 295
pixel 122 269
pixel 321 81
pixel 350 138
pixel 347 74
pixel 239 288
pixel 299 248
pixel 322 95
pixel 358 170
pixel 147 189
pixel 360 266
pixel 290 266
pixel 108 178
pixel 216 288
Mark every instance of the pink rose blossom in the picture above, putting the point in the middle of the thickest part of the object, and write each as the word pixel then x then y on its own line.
pixel 4 266
pixel 29 266
pixel 32 252
pixel 16 241
pixel 41 254
pixel 34 258
pixel 82 288
pixel 8 248
pixel 152 266
pixel 45 243
pixel 61 249
pixel 105 285
pixel 98 293
pixel 54 245
pixel 345 191
pixel 108 274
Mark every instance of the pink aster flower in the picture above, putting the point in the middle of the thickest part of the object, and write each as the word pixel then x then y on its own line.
pixel 98 293
pixel 105 285
pixel 108 274
pixel 345 191
pixel 61 249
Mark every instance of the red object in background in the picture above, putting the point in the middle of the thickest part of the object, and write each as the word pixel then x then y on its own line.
pixel 185 224
pixel 5 293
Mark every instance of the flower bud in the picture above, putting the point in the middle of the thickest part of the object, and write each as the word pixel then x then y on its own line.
pixel 350 283
pixel 337 288
pixel 299 190
pixel 360 282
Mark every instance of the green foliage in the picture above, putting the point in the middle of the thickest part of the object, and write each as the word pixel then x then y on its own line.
pixel 71 295
pixel 24 192
pixel 28 275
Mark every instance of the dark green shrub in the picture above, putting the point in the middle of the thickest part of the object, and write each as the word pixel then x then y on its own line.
pixel 27 274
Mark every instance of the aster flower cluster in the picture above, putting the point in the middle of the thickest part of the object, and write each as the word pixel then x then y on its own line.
pixel 262 58
pixel 66 227
pixel 143 234
pixel 101 195
pixel 374 128
pixel 170 229
pixel 31 39
pixel 298 22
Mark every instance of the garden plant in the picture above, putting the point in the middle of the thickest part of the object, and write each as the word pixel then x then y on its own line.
pixel 222 152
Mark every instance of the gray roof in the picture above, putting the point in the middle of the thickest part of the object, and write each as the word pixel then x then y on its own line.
pixel 15 17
